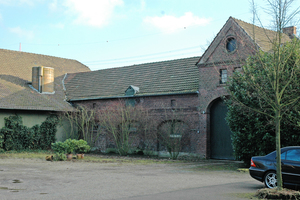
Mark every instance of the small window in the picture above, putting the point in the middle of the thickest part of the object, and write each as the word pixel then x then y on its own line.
pixel 231 44
pixel 137 100
pixel 175 129
pixel 130 102
pixel 96 129
pixel 223 76
pixel 173 103
pixel 132 127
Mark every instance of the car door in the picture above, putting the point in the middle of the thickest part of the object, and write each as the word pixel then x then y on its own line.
pixel 290 165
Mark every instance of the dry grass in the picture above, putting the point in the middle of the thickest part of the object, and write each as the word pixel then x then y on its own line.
pixel 266 193
pixel 124 159
pixel 198 165
pixel 88 158
pixel 25 154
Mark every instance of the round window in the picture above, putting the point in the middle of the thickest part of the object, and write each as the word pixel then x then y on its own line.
pixel 231 44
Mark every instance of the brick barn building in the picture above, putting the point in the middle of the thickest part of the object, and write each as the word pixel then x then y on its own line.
pixel 158 87
pixel 236 41
pixel 194 86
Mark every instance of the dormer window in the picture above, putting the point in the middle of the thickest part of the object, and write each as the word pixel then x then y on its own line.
pixel 131 90
pixel 231 44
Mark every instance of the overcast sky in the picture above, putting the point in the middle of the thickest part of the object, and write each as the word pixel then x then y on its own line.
pixel 114 33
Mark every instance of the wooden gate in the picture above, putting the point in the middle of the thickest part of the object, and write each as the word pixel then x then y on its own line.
pixel 220 134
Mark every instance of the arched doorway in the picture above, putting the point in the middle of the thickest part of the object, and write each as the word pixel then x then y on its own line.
pixel 173 137
pixel 220 134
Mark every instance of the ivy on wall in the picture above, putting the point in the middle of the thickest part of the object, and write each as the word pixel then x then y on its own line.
pixel 15 136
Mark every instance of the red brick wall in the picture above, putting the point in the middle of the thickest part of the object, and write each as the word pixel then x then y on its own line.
pixel 214 59
pixel 188 105
pixel 217 50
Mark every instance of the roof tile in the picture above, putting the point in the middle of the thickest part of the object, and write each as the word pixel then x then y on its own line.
pixel 263 37
pixel 166 77
pixel 16 75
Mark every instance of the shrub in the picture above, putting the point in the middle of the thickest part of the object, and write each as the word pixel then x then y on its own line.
pixel 59 157
pixel 71 146
pixel 253 133
pixel 59 147
pixel 48 132
pixel 81 146
pixel 15 136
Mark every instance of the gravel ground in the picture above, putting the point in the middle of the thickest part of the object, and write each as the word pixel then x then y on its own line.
pixel 38 179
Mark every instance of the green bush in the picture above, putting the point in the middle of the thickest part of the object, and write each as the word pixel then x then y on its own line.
pixel 1 141
pixel 15 136
pixel 59 147
pixel 81 146
pixel 253 133
pixel 71 146
pixel 48 132
pixel 59 157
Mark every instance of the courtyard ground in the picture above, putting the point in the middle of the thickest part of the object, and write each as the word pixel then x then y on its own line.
pixel 40 179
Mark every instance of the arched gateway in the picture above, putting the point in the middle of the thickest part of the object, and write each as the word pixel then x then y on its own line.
pixel 220 134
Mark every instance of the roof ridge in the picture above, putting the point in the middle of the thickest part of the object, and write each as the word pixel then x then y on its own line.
pixel 135 65
pixel 253 39
pixel 236 20
pixel 155 62
pixel 260 35
pixel 211 43
pixel 37 54
pixel 23 52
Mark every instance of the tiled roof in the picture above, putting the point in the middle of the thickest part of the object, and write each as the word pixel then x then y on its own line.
pixel 166 77
pixel 251 38
pixel 16 75
pixel 261 36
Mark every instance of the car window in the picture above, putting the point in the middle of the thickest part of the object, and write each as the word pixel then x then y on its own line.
pixel 293 155
pixel 283 156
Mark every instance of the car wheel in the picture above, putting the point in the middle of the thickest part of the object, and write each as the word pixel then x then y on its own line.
pixel 270 180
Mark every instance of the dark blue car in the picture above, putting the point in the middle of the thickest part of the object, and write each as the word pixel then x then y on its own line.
pixel 263 168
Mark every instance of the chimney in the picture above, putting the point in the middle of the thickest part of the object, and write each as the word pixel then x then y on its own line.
pixel 291 31
pixel 43 79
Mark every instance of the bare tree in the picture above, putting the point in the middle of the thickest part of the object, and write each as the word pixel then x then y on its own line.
pixel 125 124
pixel 271 76
pixel 82 124
pixel 173 131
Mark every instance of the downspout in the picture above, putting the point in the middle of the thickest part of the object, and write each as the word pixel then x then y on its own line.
pixel 40 79
pixel 65 90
